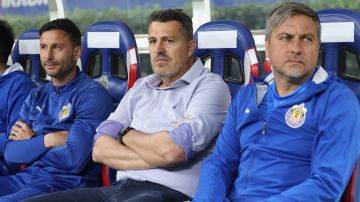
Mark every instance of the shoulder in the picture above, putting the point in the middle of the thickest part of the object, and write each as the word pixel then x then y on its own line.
pixel 90 89
pixel 19 77
pixel 212 79
pixel 89 85
pixel 142 83
pixel 338 94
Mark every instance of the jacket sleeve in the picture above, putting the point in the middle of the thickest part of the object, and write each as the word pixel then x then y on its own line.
pixel 335 151
pixel 18 93
pixel 24 151
pixel 17 152
pixel 92 108
pixel 217 173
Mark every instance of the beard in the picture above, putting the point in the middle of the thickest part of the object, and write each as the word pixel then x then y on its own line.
pixel 293 76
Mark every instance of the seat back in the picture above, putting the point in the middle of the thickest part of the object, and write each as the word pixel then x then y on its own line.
pixel 110 56
pixel 340 55
pixel 340 45
pixel 228 49
pixel 26 51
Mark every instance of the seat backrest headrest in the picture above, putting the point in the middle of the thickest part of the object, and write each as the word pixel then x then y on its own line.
pixel 340 42
pixel 110 56
pixel 26 51
pixel 230 48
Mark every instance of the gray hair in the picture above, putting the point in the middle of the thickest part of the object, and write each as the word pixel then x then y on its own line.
pixel 286 10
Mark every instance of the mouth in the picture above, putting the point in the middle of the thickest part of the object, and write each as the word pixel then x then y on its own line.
pixel 295 61
pixel 162 59
pixel 50 65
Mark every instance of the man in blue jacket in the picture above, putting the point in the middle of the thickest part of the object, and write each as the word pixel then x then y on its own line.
pixel 294 136
pixel 54 134
pixel 15 86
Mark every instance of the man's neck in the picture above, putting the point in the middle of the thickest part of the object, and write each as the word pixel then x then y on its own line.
pixel 167 81
pixel 286 85
pixel 65 80
pixel 284 88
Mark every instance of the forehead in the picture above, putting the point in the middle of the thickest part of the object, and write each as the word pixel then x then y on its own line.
pixel 160 29
pixel 55 35
pixel 298 24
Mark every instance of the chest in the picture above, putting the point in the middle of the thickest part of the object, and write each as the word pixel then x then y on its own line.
pixel 52 112
pixel 288 129
pixel 159 110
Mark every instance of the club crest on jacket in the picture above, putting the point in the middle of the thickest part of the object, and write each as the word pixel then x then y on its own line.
pixel 296 115
pixel 64 112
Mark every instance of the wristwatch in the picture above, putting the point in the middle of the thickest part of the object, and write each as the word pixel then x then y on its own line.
pixel 126 130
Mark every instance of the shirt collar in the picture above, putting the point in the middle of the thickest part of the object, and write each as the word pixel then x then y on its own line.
pixel 195 70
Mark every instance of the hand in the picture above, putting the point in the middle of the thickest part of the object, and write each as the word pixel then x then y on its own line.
pixel 21 131
pixel 55 139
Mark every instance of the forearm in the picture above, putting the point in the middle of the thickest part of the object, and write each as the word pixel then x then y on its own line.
pixel 24 151
pixel 117 156
pixel 157 149
pixel 55 139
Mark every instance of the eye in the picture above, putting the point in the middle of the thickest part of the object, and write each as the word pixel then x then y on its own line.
pixel 169 41
pixel 58 47
pixel 42 47
pixel 285 38
pixel 152 41
pixel 308 39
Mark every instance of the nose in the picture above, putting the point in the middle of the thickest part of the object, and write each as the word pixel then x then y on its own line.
pixel 160 47
pixel 296 46
pixel 48 54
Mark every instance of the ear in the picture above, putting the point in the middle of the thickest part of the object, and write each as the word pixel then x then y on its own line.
pixel 192 46
pixel 267 51
pixel 77 52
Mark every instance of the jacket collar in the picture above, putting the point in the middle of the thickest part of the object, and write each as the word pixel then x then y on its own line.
pixel 319 82
pixel 13 68
pixel 78 76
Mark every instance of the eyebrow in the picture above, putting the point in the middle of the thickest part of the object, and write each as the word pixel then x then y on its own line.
pixel 292 35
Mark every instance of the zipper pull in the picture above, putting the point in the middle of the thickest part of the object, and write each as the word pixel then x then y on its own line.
pixel 264 128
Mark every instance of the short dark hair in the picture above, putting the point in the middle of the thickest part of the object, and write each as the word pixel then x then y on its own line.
pixel 6 41
pixel 65 25
pixel 177 15
pixel 286 10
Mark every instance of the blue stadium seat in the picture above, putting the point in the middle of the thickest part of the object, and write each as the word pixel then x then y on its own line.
pixel 26 51
pixel 228 49
pixel 340 48
pixel 110 56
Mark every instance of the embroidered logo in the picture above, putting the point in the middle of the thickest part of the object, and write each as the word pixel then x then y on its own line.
pixel 296 115
pixel 64 112
pixel 104 81
pixel 38 108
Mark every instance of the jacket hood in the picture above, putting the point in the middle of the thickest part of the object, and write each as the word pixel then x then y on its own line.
pixel 319 82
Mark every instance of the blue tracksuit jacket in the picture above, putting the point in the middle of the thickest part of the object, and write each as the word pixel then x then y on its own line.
pixel 15 86
pixel 305 151
pixel 77 107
